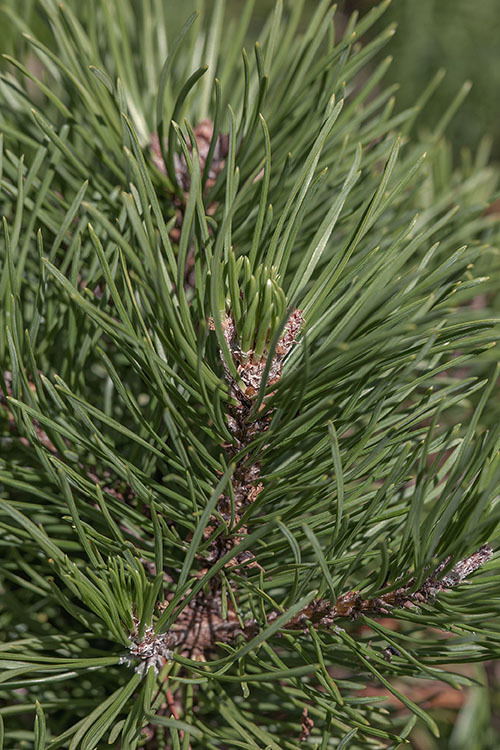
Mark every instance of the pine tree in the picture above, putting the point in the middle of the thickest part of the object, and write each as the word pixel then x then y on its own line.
pixel 238 337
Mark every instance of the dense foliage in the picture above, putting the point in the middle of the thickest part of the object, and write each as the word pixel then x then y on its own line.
pixel 249 443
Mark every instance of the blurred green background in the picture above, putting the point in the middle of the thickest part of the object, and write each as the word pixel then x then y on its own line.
pixel 461 36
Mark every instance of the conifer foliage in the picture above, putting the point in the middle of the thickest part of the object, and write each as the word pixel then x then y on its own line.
pixel 236 344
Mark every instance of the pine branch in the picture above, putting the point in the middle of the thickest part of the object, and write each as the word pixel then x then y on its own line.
pixel 248 378
pixel 351 604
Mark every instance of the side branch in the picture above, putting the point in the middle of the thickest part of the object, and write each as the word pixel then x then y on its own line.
pixel 351 604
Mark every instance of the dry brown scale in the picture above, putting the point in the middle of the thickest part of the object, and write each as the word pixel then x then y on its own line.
pixel 201 625
pixel 149 650
pixel 307 725
pixel 245 482
pixel 203 133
